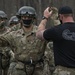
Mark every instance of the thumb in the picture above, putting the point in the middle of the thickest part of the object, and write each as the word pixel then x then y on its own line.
pixel 51 12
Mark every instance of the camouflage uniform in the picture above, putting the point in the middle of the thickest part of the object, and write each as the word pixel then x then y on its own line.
pixel 54 16
pixel 28 51
pixel 49 59
pixel 5 51
pixel 5 55
pixel 61 70
pixel 15 27
pixel 49 55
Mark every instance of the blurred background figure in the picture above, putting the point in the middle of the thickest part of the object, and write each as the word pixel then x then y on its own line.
pixel 54 16
pixel 53 20
pixel 5 51
pixel 49 55
pixel 3 22
pixel 14 23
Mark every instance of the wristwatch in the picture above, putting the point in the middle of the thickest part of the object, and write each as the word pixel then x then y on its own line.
pixel 44 18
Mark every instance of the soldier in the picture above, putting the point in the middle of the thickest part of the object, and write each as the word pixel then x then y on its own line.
pixel 3 18
pixel 29 50
pixel 14 23
pixel 49 55
pixel 5 51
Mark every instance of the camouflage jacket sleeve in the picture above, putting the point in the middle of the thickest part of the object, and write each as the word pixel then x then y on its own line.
pixel 5 42
pixel 12 55
pixel 16 27
pixel 49 55
pixel 6 39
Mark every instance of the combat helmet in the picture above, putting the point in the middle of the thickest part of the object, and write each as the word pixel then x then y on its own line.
pixel 13 20
pixel 3 15
pixel 26 11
